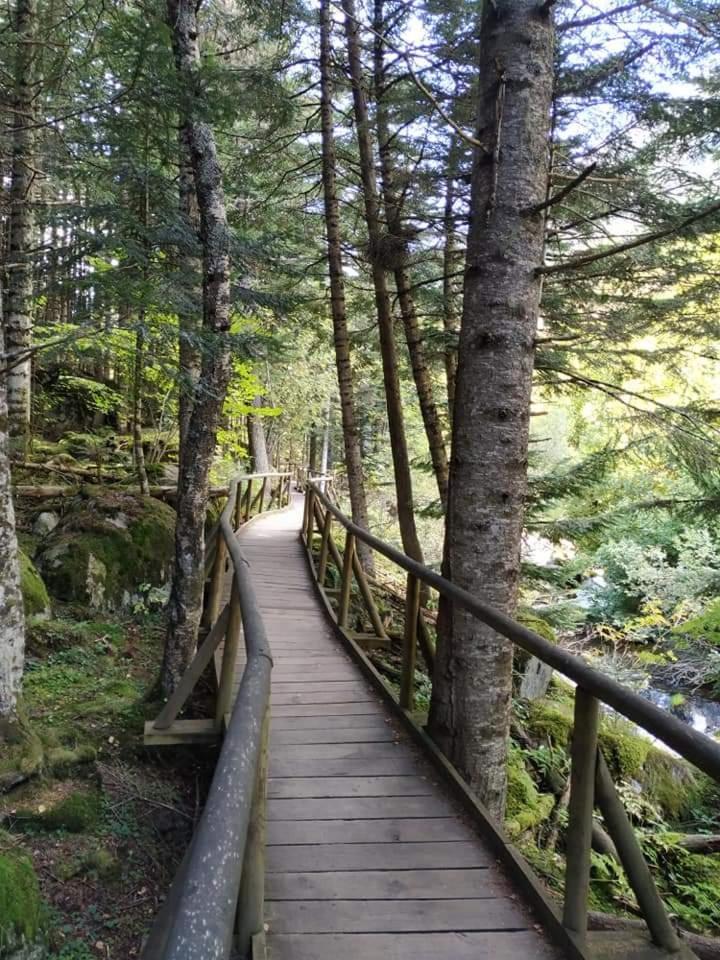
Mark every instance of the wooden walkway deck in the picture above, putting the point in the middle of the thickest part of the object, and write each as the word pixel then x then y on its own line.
pixel 367 858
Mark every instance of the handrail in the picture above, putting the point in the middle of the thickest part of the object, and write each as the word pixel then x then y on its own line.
pixel 216 897
pixel 694 746
pixel 590 779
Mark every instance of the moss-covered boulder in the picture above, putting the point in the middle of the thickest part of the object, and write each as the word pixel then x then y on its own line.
pixel 21 912
pixel 34 592
pixel 106 547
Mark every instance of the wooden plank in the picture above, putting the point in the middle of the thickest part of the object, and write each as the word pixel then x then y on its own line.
pixel 339 751
pixel 368 831
pixel 359 808
pixel 402 916
pixel 349 787
pixel 343 735
pixel 181 731
pixel 344 720
pixel 317 686
pixel 326 857
pixel 510 945
pixel 403 765
pixel 386 885
pixel 323 696
pixel 327 710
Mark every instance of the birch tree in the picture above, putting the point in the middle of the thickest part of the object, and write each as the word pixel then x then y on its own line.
pixel 12 619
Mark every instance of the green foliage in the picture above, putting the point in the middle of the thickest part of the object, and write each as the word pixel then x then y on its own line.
pixel 706 626
pixel 21 912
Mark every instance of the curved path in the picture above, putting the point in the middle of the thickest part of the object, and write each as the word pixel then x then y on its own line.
pixel 368 858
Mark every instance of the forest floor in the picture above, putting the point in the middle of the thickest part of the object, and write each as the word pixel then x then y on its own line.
pixel 104 821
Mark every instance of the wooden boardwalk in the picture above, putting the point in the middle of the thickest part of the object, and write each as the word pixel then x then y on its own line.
pixel 368 858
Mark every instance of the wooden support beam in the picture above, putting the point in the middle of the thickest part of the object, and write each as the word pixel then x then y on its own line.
pixel 346 581
pixel 633 860
pixel 248 500
pixel 367 597
pixel 230 650
pixel 212 607
pixel 324 547
pixel 583 752
pixel 202 658
pixel 407 677
pixel 181 732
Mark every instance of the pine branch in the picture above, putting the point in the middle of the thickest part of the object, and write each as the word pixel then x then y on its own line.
pixel 561 194
pixel 577 262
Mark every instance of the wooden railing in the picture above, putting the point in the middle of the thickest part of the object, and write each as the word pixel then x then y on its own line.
pixel 590 780
pixel 216 902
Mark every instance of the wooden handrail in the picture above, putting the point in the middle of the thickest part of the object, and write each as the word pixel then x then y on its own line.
pixel 219 888
pixel 590 781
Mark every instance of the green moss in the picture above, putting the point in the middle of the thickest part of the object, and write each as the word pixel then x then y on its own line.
pixel 20 904
pixel 530 619
pixel 706 626
pixel 550 720
pixel 671 783
pixel 624 750
pixel 63 760
pixel 77 813
pixel 34 592
pixel 525 806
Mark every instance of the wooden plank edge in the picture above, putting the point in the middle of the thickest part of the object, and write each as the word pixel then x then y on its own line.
pixel 180 732
pixel 519 870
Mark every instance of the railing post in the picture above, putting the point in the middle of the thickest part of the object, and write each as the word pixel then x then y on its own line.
pixel 346 582
pixel 412 608
pixel 264 493
pixel 324 548
pixel 310 517
pixel 288 489
pixel 212 608
pixel 633 860
pixel 583 753
pixel 251 899
pixel 227 670
pixel 238 505
pixel 248 501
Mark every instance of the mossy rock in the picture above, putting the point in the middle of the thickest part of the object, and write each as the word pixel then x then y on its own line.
pixel 550 720
pixel 525 806
pixel 671 783
pixel 36 600
pixel 624 750
pixel 21 908
pixel 108 545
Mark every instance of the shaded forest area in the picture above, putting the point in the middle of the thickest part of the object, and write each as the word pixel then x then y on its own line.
pixel 464 258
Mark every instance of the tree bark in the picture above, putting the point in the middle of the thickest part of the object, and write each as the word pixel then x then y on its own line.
pixel 470 707
pixel 189 319
pixel 12 618
pixel 396 422
pixel 138 449
pixel 18 323
pixel 257 441
pixel 184 607
pixel 338 309
pixel 451 319
pixel 395 247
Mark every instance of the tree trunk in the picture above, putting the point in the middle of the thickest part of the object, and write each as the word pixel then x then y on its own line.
pixel 395 248
pixel 343 363
pixel 470 708
pixel 396 422
pixel 18 324
pixel 138 449
pixel 184 607
pixel 12 619
pixel 189 321
pixel 451 320
pixel 257 441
